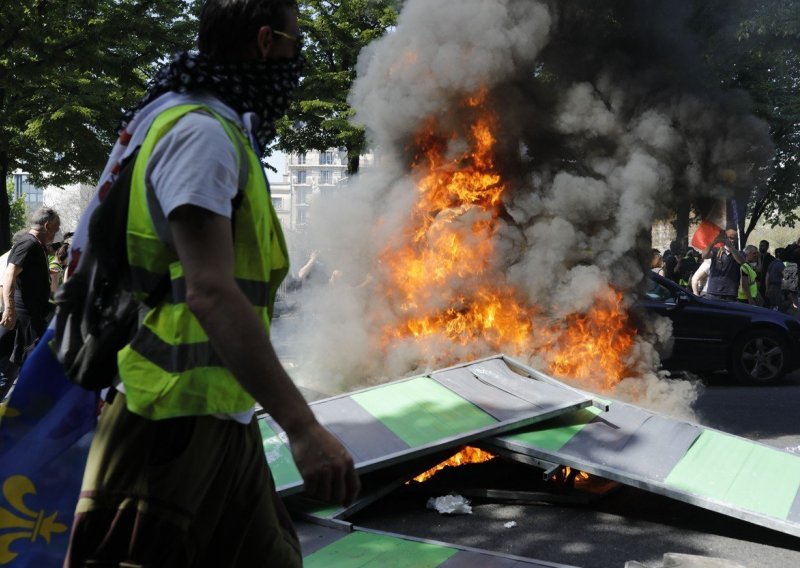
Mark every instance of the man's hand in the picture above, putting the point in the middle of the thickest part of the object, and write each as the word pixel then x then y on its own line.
pixel 325 465
pixel 9 318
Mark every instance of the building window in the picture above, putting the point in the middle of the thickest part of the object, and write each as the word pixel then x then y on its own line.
pixel 302 215
pixel 277 203
pixel 326 177
pixel 302 196
pixel 326 158
pixel 33 195
pixel 301 158
pixel 301 176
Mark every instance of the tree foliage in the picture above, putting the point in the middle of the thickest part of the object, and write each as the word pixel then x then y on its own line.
pixel 67 70
pixel 754 45
pixel 336 32
pixel 18 218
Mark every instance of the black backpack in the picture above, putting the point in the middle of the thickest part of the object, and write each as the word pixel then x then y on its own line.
pixel 96 312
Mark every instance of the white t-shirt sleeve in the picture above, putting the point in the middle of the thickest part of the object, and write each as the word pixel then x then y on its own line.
pixel 195 163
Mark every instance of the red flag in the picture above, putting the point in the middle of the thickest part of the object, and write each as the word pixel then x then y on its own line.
pixel 705 233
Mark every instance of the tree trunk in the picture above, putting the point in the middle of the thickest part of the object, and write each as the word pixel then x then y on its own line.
pixel 5 206
pixel 353 162
pixel 682 224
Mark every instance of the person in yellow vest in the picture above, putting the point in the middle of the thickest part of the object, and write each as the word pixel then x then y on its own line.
pixel 748 288
pixel 176 474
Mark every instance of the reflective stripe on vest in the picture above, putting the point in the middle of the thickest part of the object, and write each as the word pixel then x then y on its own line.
pixel 170 368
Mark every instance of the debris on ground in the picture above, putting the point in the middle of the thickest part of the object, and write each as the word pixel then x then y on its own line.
pixel 453 504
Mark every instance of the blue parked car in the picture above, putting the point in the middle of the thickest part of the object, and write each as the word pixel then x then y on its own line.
pixel 756 345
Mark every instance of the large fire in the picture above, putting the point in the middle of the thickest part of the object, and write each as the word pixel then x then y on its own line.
pixel 443 283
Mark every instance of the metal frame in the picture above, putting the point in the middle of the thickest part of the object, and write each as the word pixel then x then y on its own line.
pixel 463 548
pixel 614 474
pixel 452 441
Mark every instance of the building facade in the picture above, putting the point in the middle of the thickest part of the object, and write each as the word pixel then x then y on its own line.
pixel 34 196
pixel 310 174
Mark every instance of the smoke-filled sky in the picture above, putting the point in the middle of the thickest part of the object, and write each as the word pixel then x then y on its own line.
pixel 602 121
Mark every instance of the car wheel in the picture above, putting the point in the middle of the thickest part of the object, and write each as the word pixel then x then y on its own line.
pixel 760 357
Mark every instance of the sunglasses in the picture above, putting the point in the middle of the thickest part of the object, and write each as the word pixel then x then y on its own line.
pixel 298 39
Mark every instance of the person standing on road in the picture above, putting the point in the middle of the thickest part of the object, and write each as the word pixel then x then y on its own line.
pixel 26 294
pixel 699 280
pixel 774 282
pixel 762 266
pixel 673 262
pixel 724 272
pixel 748 288
pixel 176 474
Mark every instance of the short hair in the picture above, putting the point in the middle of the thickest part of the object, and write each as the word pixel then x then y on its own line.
pixel 229 27
pixel 750 248
pixel 18 235
pixel 42 216
pixel 763 241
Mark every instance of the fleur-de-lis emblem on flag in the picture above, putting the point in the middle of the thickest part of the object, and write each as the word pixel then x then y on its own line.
pixel 23 522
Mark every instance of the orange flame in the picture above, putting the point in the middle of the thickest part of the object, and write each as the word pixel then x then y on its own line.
pixel 442 279
pixel 467 455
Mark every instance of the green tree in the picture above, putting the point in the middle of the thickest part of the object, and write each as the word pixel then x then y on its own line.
pixel 754 45
pixel 18 218
pixel 67 69
pixel 336 32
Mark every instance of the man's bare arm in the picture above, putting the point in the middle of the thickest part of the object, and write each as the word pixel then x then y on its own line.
pixel 9 318
pixel 737 256
pixel 707 251
pixel 698 278
pixel 204 245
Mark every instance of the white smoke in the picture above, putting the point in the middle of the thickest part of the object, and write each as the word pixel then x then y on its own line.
pixel 573 216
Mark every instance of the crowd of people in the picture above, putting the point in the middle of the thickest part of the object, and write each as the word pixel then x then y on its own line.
pixel 722 272
pixel 30 273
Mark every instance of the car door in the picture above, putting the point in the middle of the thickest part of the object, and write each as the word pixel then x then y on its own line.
pixel 700 331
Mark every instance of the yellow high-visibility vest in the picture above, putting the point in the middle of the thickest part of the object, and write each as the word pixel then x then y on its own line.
pixel 747 269
pixel 170 369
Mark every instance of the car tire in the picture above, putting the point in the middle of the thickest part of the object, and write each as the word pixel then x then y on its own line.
pixel 760 357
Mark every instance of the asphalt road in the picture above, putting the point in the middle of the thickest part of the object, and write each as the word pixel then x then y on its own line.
pixel 627 524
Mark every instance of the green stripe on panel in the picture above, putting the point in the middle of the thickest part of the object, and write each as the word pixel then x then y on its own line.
pixel 420 411
pixel 740 473
pixel 553 434
pixel 363 550
pixel 279 456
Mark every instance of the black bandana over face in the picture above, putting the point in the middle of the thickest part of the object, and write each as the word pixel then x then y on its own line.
pixel 262 87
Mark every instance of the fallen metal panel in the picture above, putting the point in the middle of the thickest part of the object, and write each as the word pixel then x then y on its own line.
pixel 425 415
pixel 374 486
pixel 637 435
pixel 367 438
pixel 314 537
pixel 496 389
pixel 489 556
pixel 367 548
pixel 701 466
pixel 469 559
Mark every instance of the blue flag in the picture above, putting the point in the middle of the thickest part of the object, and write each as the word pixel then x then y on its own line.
pixel 46 427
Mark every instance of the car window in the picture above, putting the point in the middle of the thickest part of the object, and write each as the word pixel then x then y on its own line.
pixel 656 291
